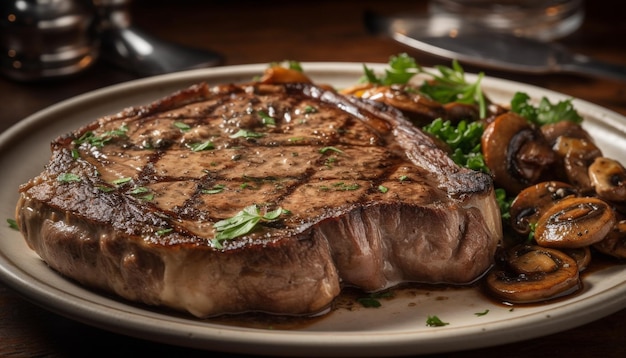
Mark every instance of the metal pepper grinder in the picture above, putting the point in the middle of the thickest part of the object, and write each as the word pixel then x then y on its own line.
pixel 42 39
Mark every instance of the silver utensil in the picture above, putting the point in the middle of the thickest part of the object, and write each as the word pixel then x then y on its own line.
pixel 444 37
pixel 129 47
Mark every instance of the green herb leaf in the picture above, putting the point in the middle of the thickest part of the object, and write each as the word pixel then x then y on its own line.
pixel 531 233
pixel 479 314
pixel 401 69
pixel 546 112
pixel 244 222
pixel 164 231
pixel 341 186
pixel 447 85
pixel 326 149
pixel 246 134
pixel 464 141
pixel 451 86
pixel 121 181
pixel 139 190
pixel 197 147
pixel 105 189
pixel 266 119
pixel 12 224
pixel 369 302
pixel 184 127
pixel 216 189
pixel 383 189
pixel 99 141
pixel 68 178
pixel 434 321
pixel 372 300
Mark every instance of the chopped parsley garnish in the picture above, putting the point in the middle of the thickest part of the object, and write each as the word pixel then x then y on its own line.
pixel 142 193
pixel 244 222
pixel 104 188
pixel 246 134
pixel 68 178
pixel 383 189
pixel 464 141
pixel 329 162
pixel 372 300
pixel 216 189
pixel 100 140
pixel 184 127
pixel 369 302
pixel 310 109
pixel 434 321
pixel 341 186
pixel 164 231
pixel 479 314
pixel 198 147
pixel 121 181
pixel 12 224
pixel 545 112
pixel 327 149
pixel 266 119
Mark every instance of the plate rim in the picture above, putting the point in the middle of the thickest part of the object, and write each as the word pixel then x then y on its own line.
pixel 343 343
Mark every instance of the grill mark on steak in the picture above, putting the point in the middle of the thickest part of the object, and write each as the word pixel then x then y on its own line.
pixel 440 225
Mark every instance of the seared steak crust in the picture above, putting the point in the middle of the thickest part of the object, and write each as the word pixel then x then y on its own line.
pixel 127 204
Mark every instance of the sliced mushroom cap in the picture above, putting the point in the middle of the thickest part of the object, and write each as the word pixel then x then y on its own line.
pixel 577 155
pixel 551 132
pixel 533 274
pixel 574 222
pixel 582 255
pixel 608 178
pixel 515 152
pixel 533 201
pixel 614 244
pixel 417 107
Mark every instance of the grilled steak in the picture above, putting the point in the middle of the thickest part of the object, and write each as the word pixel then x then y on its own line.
pixel 128 203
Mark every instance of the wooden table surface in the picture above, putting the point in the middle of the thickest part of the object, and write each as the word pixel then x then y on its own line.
pixel 247 32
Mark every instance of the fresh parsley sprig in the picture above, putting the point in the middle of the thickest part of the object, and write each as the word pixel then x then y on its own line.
pixel 464 141
pixel 401 69
pixel 545 112
pixel 451 86
pixel 243 223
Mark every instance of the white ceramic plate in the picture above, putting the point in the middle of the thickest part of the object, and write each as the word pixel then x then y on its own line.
pixel 396 328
